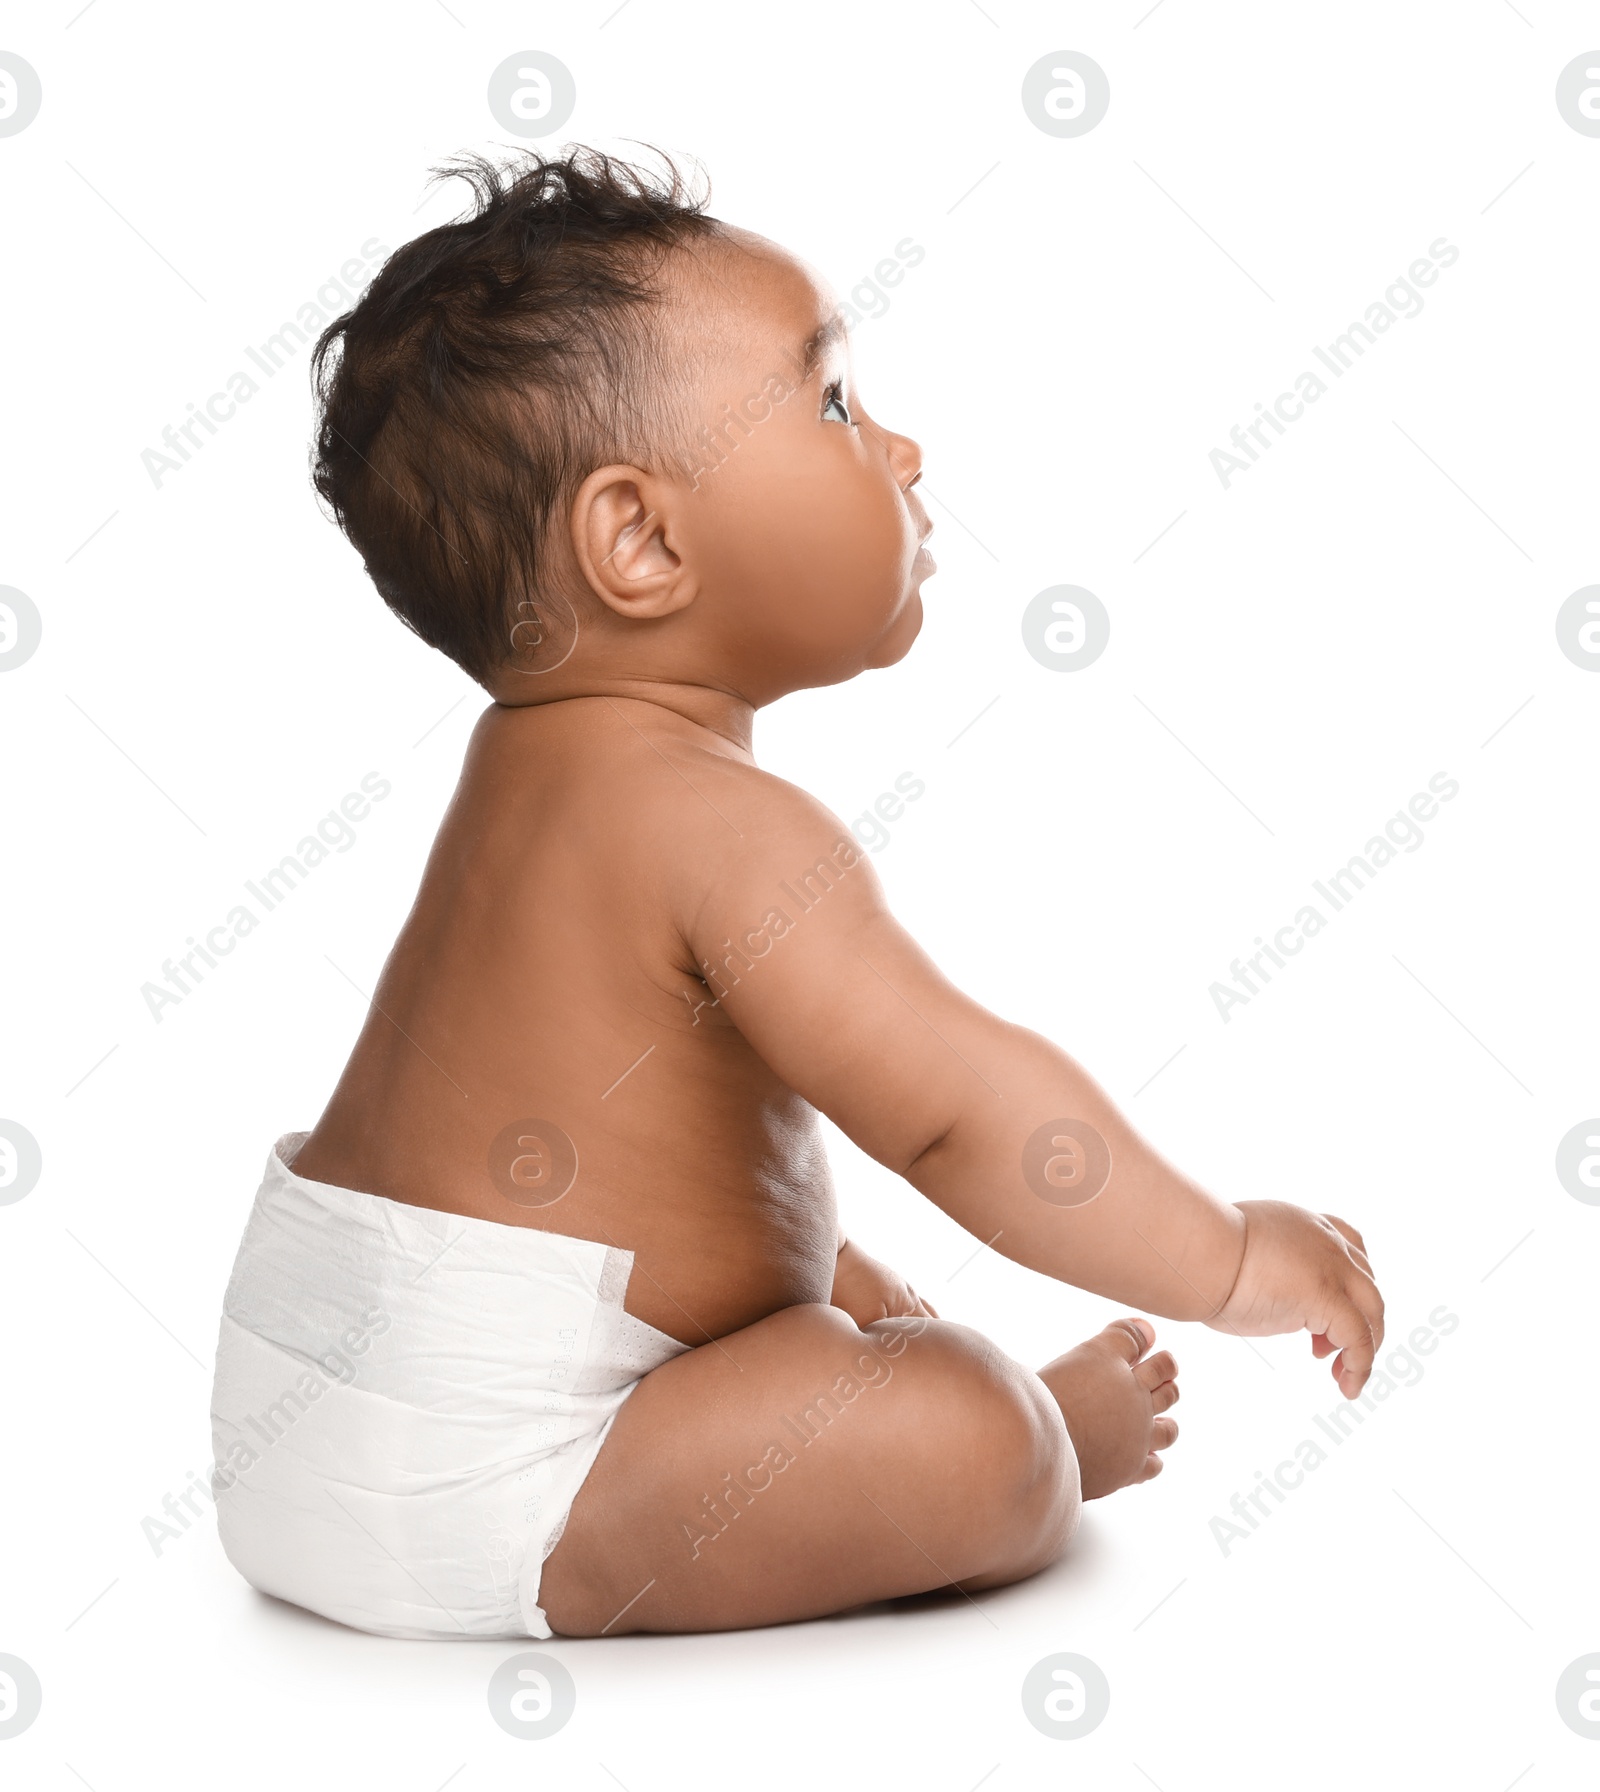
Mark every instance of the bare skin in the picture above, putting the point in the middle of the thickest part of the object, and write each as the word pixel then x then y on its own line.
pixel 634 948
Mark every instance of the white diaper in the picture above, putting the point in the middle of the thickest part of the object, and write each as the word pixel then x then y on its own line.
pixel 407 1403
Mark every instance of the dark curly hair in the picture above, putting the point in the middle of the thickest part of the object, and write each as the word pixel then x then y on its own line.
pixel 493 364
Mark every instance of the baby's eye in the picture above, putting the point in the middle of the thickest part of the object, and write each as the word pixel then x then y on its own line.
pixel 834 406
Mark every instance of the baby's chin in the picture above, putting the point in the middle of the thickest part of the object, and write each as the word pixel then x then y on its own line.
pixel 896 641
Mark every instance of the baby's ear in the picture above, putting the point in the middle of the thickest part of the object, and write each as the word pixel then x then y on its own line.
pixel 619 534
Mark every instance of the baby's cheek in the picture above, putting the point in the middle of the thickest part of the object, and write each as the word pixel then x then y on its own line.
pixel 876 542
pixel 829 557
pixel 863 583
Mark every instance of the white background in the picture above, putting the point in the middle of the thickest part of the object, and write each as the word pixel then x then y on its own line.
pixel 1288 664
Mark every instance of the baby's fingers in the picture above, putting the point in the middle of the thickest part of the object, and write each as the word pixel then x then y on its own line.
pixel 1360 1286
pixel 1349 1331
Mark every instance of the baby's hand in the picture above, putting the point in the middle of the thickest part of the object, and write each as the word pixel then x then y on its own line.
pixel 1307 1271
pixel 867 1289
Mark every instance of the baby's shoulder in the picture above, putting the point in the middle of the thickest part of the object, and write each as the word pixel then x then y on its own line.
pixel 720 817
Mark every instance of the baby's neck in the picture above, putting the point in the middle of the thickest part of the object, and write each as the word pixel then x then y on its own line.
pixel 722 713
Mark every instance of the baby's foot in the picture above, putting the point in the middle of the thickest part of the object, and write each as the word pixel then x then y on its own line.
pixel 1112 1397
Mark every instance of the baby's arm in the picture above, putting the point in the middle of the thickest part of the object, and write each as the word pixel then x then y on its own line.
pixel 844 1005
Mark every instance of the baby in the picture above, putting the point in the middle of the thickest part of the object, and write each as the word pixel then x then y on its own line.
pixel 550 1325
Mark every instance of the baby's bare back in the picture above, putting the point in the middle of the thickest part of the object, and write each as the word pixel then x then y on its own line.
pixel 543 976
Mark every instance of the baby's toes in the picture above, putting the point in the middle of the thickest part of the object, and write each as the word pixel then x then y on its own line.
pixel 1164 1396
pixel 1154 1370
pixel 1163 1434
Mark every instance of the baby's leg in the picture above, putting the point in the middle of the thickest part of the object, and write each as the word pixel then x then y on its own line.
pixel 802 1466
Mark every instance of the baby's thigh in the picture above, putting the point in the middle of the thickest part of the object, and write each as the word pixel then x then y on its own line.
pixel 802 1466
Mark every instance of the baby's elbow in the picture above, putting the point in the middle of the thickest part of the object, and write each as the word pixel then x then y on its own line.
pixel 922 1154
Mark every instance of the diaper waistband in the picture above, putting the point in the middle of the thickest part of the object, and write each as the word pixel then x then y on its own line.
pixel 484 1317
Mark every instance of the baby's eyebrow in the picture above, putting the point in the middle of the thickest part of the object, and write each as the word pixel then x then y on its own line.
pixel 819 342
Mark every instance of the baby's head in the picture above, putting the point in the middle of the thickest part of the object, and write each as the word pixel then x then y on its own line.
pixel 589 437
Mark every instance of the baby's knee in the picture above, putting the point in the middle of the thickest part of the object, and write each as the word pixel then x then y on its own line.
pixel 998 1433
pixel 1032 1468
